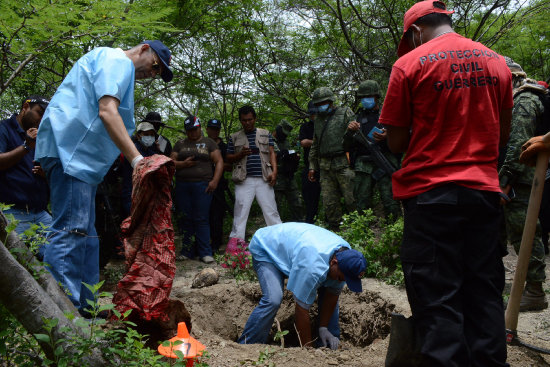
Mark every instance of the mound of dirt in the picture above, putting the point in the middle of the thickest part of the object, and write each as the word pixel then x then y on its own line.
pixel 219 313
pixel 223 310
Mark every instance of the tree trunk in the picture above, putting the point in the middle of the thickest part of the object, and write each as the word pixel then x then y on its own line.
pixel 29 303
pixel 29 262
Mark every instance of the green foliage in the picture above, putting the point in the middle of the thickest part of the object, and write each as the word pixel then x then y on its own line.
pixel 120 344
pixel 379 240
pixel 264 357
pixel 40 40
pixel 280 335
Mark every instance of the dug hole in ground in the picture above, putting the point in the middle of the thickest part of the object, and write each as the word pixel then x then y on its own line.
pixel 219 313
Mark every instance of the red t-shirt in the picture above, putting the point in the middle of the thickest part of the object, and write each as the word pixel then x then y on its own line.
pixel 449 92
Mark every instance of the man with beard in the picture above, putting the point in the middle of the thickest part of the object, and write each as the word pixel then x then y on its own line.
pixel 22 182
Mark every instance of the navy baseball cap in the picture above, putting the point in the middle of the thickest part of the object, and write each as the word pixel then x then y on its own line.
pixel 214 123
pixel 353 264
pixel 36 99
pixel 165 56
pixel 191 122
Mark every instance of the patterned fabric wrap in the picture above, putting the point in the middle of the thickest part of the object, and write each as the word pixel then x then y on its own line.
pixel 148 238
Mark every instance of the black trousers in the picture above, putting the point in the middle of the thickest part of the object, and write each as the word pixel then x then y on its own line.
pixel 454 276
pixel 311 192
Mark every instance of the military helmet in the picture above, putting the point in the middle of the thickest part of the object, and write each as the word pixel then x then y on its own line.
pixel 285 127
pixel 323 94
pixel 514 67
pixel 311 109
pixel 368 88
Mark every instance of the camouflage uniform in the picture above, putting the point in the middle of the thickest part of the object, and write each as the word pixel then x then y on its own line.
pixel 327 155
pixel 526 117
pixel 367 173
pixel 287 165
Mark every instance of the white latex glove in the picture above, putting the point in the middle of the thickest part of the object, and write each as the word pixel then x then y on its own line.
pixel 328 339
pixel 136 160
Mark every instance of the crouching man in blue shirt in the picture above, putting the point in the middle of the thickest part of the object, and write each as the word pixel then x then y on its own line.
pixel 314 260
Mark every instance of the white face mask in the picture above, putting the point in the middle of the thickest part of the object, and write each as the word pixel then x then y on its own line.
pixel 147 140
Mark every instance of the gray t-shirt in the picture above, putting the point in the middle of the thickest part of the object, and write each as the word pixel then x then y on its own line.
pixel 200 150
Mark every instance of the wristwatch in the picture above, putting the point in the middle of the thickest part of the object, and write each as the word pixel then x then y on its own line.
pixel 24 145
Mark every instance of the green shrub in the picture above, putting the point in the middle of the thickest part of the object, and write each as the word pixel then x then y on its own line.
pixel 379 240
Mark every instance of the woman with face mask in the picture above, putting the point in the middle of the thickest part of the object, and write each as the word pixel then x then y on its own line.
pixel 144 139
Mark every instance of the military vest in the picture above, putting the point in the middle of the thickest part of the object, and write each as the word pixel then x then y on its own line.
pixel 329 131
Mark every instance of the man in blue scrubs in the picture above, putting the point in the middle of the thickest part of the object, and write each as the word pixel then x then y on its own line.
pixel 314 260
pixel 85 127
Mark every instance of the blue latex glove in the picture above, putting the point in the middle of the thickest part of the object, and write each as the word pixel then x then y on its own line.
pixel 328 339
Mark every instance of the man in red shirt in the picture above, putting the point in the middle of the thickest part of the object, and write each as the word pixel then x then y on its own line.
pixel 448 106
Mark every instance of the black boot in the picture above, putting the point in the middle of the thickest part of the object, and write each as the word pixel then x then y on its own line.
pixel 533 298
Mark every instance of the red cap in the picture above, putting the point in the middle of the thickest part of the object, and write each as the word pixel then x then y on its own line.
pixel 416 11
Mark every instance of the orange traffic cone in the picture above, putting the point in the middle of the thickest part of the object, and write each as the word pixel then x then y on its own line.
pixel 189 347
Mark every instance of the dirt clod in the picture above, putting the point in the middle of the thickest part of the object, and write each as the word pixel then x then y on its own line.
pixel 205 278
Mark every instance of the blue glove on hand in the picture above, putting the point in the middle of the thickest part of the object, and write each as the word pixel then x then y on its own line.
pixel 328 339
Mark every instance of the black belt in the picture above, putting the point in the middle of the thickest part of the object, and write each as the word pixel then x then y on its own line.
pixel 26 208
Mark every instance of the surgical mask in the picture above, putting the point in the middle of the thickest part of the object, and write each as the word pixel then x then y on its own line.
pixel 324 109
pixel 147 140
pixel 368 103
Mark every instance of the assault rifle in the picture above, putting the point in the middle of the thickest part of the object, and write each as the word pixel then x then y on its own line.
pixel 377 156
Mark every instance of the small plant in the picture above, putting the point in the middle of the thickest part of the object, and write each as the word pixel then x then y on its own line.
pixel 280 335
pixel 264 358
pixel 379 241
pixel 238 264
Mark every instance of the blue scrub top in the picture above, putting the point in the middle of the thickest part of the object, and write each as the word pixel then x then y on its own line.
pixel 302 252
pixel 71 129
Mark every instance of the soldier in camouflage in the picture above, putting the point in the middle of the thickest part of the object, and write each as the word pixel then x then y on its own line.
pixel 328 156
pixel 515 180
pixel 367 173
pixel 311 191
pixel 287 163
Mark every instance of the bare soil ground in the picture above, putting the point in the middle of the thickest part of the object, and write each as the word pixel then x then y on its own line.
pixel 219 313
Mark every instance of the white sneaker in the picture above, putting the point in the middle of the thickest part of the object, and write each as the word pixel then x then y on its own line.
pixel 207 259
pixel 181 258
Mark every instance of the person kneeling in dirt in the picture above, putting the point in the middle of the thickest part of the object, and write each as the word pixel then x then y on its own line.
pixel 314 260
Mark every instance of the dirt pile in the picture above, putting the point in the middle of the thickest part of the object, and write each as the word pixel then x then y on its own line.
pixel 223 311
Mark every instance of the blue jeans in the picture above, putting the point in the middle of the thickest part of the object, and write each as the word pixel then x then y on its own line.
pixel 73 252
pixel 193 205
pixel 29 217
pixel 259 322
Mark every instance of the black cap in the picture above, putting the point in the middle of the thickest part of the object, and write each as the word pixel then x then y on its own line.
pixel 191 122
pixel 36 99
pixel 214 123
pixel 153 117
pixel 165 56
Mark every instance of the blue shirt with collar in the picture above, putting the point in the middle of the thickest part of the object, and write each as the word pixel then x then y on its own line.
pixel 18 185
pixel 302 252
pixel 71 129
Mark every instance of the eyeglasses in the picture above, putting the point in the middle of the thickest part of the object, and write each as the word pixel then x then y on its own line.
pixel 156 65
